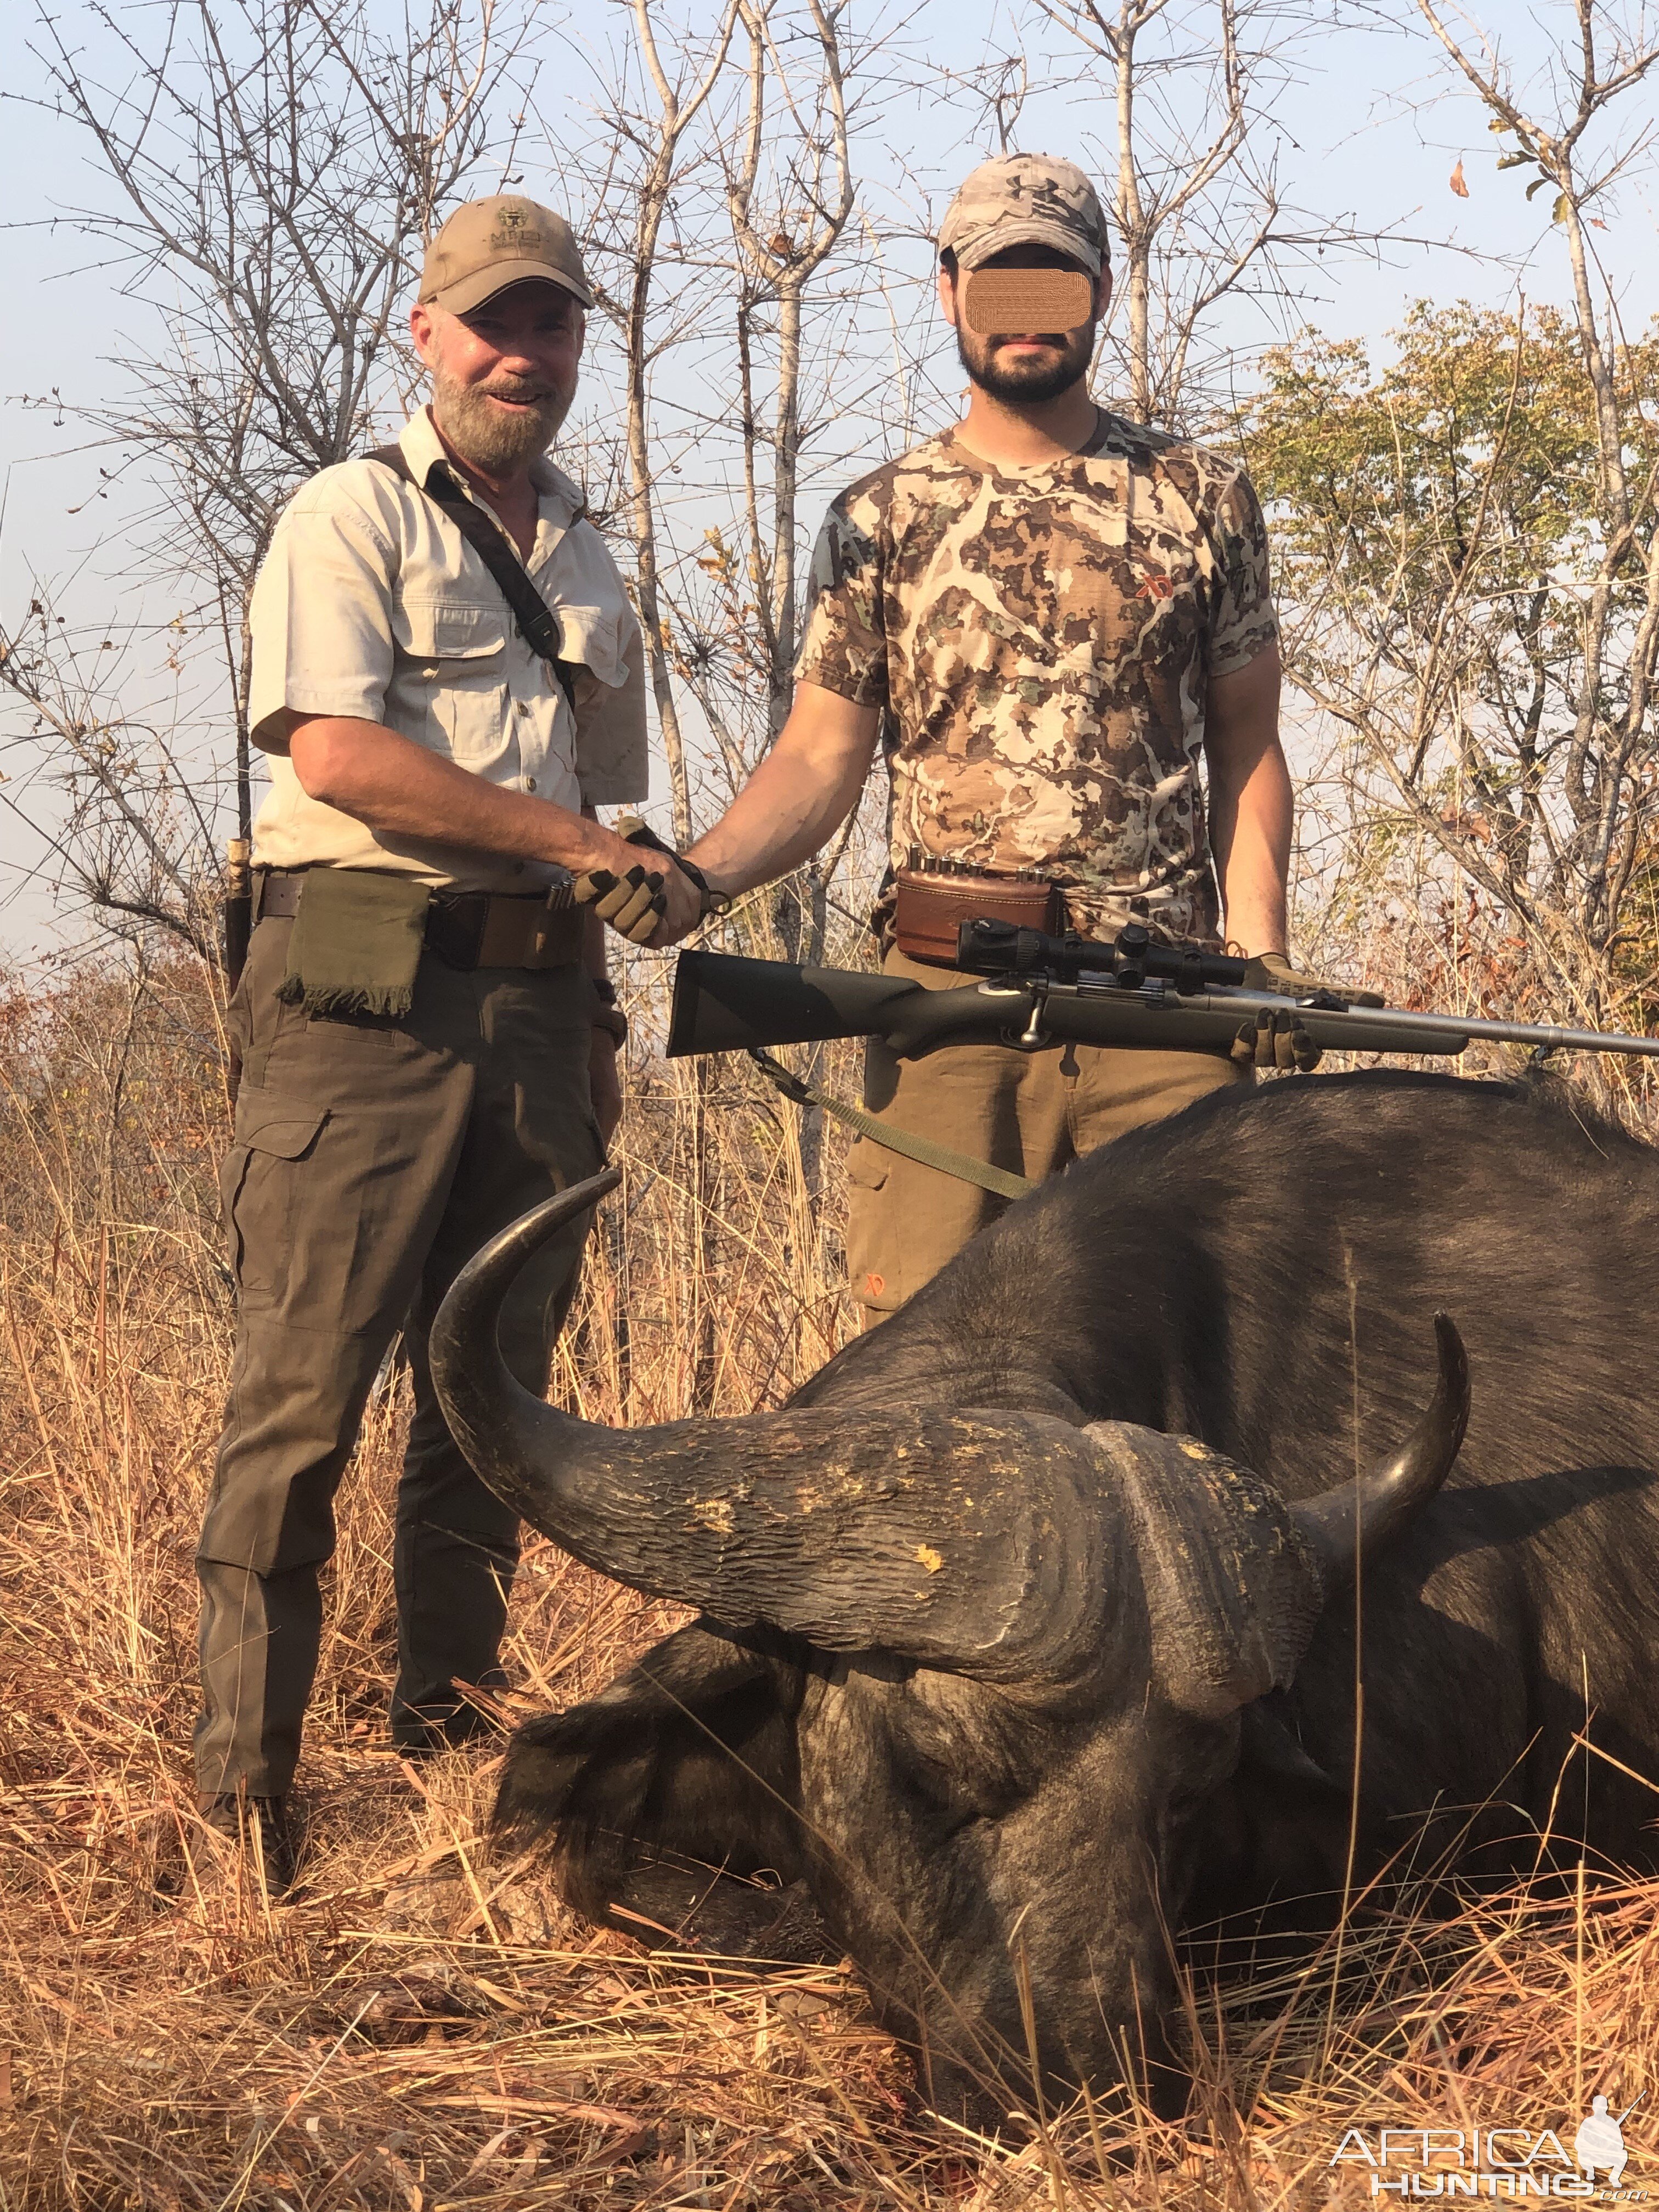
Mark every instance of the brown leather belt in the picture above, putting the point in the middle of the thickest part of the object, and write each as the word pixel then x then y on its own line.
pixel 464 929
pixel 931 906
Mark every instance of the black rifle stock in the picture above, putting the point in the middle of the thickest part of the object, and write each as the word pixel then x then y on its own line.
pixel 724 1003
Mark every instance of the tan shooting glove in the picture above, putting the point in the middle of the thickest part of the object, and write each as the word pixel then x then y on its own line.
pixel 633 905
pixel 1275 1040
pixel 1271 971
pixel 1281 1040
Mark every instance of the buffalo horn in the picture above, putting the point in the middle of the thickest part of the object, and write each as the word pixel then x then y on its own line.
pixel 959 1540
pixel 1346 1527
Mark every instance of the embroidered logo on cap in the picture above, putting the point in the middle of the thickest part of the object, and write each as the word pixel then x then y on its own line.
pixel 514 234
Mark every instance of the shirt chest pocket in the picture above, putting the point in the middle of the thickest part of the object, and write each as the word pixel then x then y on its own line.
pixel 457 655
pixel 1135 606
pixel 592 636
pixel 1127 586
pixel 1163 610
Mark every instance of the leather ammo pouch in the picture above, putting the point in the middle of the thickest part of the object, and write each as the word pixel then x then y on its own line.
pixel 931 908
pixel 356 942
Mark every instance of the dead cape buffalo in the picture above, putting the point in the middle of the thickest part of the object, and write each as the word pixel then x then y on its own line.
pixel 1028 1625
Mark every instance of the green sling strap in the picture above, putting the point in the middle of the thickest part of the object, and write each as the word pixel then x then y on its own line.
pixel 962 1165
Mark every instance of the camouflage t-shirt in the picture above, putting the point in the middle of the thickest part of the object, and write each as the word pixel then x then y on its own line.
pixel 1042 641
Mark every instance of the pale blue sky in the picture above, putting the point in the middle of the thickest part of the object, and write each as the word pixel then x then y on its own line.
pixel 1370 125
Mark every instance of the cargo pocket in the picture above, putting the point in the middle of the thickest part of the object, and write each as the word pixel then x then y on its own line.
pixel 873 1262
pixel 258 1187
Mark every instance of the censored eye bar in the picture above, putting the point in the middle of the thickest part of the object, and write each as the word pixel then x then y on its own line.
pixel 1016 301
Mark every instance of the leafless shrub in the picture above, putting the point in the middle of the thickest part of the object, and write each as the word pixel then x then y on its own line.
pixel 274 168
pixel 1212 259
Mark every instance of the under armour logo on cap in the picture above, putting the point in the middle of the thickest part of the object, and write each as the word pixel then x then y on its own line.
pixel 1026 199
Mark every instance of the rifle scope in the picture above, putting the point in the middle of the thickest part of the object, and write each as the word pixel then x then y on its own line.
pixel 985 947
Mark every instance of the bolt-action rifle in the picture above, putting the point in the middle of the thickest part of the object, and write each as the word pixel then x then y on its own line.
pixel 1036 991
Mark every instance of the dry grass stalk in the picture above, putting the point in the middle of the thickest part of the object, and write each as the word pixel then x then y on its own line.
pixel 427 2026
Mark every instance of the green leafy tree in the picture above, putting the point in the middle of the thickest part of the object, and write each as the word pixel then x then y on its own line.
pixel 1478 624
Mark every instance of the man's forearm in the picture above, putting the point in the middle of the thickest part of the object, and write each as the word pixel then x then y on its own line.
pixel 769 829
pixel 798 796
pixel 398 789
pixel 1251 802
pixel 1251 839
pixel 596 952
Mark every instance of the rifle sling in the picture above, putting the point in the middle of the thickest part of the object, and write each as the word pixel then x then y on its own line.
pixel 962 1165
pixel 537 623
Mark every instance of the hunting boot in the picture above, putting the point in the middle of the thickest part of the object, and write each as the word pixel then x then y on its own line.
pixel 241 1825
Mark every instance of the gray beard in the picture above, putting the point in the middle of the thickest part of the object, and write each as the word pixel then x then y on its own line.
pixel 495 445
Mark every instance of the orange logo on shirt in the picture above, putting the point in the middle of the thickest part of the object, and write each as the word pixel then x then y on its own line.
pixel 1157 587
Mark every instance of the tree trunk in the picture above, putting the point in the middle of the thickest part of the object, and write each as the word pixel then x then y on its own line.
pixel 1137 245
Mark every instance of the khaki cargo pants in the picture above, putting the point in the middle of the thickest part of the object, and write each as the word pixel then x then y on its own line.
pixel 1029 1112
pixel 371 1158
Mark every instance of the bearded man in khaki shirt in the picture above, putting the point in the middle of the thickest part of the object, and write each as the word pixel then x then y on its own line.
pixel 427 1038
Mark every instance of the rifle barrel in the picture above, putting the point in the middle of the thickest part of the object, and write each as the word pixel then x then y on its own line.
pixel 1349 1031
pixel 1208 1021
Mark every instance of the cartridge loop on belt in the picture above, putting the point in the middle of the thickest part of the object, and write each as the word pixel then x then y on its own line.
pixel 931 905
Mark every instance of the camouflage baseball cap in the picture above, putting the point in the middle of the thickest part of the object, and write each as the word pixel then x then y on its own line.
pixel 489 244
pixel 1025 199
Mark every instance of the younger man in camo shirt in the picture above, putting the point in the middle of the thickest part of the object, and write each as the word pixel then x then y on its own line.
pixel 1045 614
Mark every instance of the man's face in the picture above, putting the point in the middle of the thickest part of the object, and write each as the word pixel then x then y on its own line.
pixel 1028 367
pixel 503 375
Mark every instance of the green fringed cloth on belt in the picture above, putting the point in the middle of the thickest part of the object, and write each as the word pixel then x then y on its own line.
pixel 357 943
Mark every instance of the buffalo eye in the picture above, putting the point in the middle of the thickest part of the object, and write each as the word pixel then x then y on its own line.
pixel 970 1750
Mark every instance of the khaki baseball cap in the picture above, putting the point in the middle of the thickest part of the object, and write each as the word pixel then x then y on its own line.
pixel 489 244
pixel 1026 199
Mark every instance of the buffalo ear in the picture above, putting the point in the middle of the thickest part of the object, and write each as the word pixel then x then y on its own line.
pixel 1233 1588
pixel 1281 1828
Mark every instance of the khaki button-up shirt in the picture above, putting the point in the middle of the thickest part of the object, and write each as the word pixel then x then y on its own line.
pixel 371 603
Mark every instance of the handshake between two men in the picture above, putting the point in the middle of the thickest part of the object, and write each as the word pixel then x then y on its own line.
pixel 635 903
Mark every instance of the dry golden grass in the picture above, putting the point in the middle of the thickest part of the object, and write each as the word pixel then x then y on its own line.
pixel 427 2028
